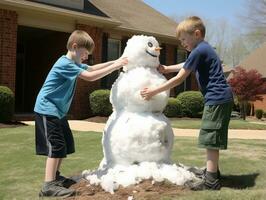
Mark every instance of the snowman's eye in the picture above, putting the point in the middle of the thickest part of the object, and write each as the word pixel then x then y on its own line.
pixel 150 44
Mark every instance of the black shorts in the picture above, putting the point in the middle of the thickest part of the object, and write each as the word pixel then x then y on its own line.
pixel 53 136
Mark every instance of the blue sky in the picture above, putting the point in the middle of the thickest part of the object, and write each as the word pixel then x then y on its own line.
pixel 208 9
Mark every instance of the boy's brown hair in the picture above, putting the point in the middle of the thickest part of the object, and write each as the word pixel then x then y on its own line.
pixel 82 39
pixel 190 25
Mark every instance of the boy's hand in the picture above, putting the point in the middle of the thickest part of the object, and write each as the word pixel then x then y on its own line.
pixel 147 93
pixel 162 69
pixel 120 62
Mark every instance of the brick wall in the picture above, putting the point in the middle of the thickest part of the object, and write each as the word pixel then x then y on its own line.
pixel 8 46
pixel 261 104
pixel 80 108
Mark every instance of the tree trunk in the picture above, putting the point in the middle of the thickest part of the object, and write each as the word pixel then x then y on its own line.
pixel 243 109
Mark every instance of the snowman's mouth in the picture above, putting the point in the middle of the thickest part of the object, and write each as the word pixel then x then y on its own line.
pixel 155 56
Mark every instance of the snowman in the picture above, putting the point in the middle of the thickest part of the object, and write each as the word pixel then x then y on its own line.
pixel 138 138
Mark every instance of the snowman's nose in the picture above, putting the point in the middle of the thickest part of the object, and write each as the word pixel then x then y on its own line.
pixel 158 48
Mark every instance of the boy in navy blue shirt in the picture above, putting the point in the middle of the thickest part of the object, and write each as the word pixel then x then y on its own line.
pixel 218 96
pixel 53 136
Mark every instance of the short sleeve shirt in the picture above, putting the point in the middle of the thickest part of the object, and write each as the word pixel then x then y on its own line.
pixel 57 91
pixel 207 66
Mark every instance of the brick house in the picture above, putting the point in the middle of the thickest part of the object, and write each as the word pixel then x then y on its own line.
pixel 257 60
pixel 33 35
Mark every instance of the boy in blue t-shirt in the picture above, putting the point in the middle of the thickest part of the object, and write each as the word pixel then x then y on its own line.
pixel 53 136
pixel 217 94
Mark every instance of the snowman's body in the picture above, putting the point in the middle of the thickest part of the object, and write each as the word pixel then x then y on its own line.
pixel 137 130
pixel 138 138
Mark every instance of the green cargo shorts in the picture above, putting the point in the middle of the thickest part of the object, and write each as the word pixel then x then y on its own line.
pixel 214 127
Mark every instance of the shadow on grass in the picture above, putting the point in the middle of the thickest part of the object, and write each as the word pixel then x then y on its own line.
pixel 239 181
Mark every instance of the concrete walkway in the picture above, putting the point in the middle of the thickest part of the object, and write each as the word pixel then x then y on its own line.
pixel 80 125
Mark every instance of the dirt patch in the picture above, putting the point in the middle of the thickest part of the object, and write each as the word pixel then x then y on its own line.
pixel 12 124
pixel 97 119
pixel 145 190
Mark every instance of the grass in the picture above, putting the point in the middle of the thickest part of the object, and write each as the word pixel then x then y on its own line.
pixel 243 165
pixel 234 124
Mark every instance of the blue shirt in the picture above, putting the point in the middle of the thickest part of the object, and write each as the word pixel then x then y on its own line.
pixel 207 66
pixel 58 89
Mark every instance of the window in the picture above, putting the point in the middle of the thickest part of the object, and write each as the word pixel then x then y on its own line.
pixel 113 52
pixel 181 56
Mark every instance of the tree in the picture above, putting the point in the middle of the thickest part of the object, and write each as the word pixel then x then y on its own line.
pixel 227 40
pixel 247 86
pixel 254 19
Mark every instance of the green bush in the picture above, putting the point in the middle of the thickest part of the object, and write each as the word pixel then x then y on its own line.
pixel 264 114
pixel 173 108
pixel 99 102
pixel 7 101
pixel 192 103
pixel 259 113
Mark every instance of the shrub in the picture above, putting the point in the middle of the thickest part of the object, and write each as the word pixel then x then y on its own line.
pixel 7 101
pixel 173 108
pixel 99 102
pixel 192 103
pixel 259 113
pixel 264 114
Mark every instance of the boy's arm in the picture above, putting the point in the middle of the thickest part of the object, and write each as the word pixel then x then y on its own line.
pixel 100 66
pixel 97 74
pixel 147 93
pixel 171 68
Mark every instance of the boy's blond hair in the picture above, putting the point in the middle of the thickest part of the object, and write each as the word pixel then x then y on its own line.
pixel 82 39
pixel 190 25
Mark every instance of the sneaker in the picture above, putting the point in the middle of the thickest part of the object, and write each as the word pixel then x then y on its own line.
pixel 63 181
pixel 52 189
pixel 201 173
pixel 204 184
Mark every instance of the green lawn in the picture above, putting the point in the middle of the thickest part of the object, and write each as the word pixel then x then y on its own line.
pixel 243 165
pixel 234 124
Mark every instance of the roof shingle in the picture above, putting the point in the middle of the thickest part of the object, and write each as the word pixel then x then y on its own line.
pixel 135 15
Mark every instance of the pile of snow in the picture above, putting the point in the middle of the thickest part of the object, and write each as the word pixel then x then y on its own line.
pixel 120 175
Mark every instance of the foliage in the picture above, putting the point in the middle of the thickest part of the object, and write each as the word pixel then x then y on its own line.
pixel 7 101
pixel 173 108
pixel 192 103
pixel 99 102
pixel 259 113
pixel 247 86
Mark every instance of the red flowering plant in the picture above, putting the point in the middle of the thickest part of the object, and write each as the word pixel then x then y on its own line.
pixel 247 86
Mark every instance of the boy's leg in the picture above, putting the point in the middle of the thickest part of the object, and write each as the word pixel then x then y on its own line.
pixel 213 136
pixel 70 148
pixel 51 168
pixel 50 142
pixel 212 160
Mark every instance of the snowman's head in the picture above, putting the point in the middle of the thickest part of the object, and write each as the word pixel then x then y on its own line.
pixel 142 51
